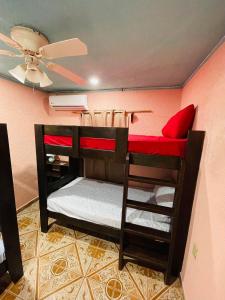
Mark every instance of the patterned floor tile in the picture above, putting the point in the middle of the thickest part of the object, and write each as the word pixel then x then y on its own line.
pixel 85 291
pixel 25 288
pixel 174 292
pixel 76 290
pixel 79 234
pixel 148 281
pixel 9 296
pixel 110 283
pixel 28 222
pixel 28 245
pixel 64 264
pixel 58 269
pixel 56 238
pixel 95 253
pixel 51 221
pixel 31 208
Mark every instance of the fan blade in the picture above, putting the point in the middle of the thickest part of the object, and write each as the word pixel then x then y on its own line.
pixel 72 47
pixel 19 72
pixel 9 41
pixel 66 73
pixel 7 53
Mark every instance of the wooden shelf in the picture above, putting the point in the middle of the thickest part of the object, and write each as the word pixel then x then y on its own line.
pixel 58 163
pixel 109 116
pixel 53 174
pixel 115 111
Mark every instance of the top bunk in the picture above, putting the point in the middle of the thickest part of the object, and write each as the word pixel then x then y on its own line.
pixel 114 143
pixel 167 151
pixel 142 144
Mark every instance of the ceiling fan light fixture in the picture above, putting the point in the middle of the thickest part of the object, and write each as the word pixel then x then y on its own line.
pixel 34 75
pixel 19 72
pixel 45 81
pixel 33 47
pixel 37 76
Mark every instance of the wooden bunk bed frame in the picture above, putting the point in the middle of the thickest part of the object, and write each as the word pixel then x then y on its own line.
pixel 149 247
pixel 8 219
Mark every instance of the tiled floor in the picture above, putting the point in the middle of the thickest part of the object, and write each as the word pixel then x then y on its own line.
pixel 66 264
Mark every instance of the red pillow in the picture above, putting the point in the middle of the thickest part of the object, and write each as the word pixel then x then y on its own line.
pixel 180 123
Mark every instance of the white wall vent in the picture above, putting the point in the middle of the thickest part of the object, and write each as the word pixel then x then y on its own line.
pixel 68 102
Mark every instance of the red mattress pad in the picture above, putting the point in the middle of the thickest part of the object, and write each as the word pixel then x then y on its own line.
pixel 156 145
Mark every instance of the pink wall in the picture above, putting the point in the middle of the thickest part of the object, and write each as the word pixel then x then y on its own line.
pixel 163 103
pixel 21 108
pixel 203 277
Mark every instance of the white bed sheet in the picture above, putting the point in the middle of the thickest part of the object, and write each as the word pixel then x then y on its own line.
pixel 2 251
pixel 101 203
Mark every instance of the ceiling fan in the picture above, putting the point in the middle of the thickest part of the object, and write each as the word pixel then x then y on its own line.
pixel 33 46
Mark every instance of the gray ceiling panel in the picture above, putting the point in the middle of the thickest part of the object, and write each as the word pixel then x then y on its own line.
pixel 131 43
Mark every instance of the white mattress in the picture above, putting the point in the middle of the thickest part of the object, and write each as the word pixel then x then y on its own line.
pixel 2 251
pixel 101 203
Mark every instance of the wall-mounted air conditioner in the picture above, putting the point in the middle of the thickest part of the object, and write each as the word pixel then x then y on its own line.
pixel 68 102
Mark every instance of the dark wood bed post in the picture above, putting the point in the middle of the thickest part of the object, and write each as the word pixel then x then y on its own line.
pixel 123 216
pixel 121 145
pixel 9 226
pixel 124 157
pixel 169 278
pixel 192 161
pixel 42 176
pixel 76 164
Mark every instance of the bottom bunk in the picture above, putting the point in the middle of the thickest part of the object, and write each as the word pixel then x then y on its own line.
pixel 95 207
pixel 100 202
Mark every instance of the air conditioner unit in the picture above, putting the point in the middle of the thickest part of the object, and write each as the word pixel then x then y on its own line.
pixel 68 102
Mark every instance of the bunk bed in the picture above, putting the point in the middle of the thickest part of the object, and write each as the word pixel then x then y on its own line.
pixel 10 255
pixel 129 216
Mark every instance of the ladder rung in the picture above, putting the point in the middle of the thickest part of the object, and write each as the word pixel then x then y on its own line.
pixel 152 181
pixel 147 232
pixel 146 256
pixel 159 209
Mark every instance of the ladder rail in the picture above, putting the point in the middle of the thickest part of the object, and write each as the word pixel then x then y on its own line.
pixel 174 221
pixel 123 216
pixel 172 212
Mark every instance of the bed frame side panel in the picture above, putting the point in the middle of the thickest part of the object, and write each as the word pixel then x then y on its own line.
pixel 192 161
pixel 120 135
pixel 10 232
pixel 42 176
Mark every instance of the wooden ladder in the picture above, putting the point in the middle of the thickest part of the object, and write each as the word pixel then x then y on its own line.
pixel 155 258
